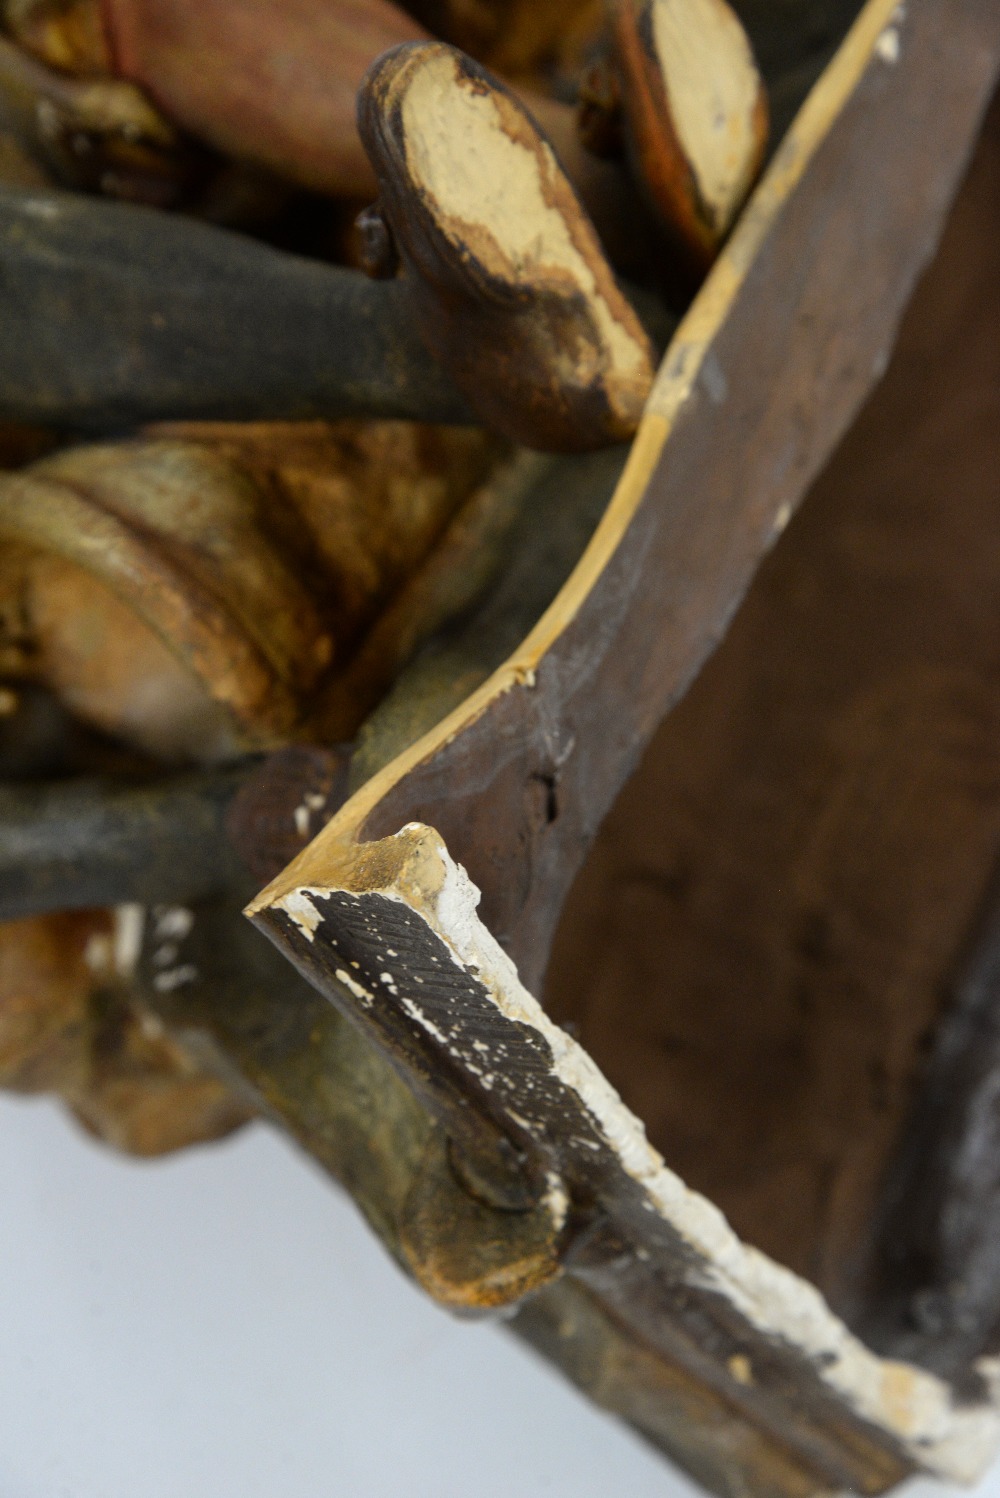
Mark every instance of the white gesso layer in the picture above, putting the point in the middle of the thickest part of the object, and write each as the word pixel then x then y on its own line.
pixel 913 1406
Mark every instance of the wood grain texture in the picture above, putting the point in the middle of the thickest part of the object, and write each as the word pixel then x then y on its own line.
pixel 113 315
pixel 788 883
pixel 388 932
pixel 788 336
pixel 510 286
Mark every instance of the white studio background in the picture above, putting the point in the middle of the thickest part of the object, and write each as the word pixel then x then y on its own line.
pixel 221 1324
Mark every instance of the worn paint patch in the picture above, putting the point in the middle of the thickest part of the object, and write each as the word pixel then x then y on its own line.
pixel 887 46
pixel 712 87
pixel 495 189
pixel 302 911
pixel 911 1405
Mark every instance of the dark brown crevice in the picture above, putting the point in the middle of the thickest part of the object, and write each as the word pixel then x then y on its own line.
pixel 763 938
pixel 934 1289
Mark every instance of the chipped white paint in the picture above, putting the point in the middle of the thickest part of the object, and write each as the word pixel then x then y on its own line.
pixel 362 994
pixel 887 46
pixel 176 977
pixel 713 377
pixel 915 1406
pixel 912 1405
pixel 302 816
pixel 151 1025
pixel 300 909
pixel 712 88
pixel 98 954
pixel 451 1043
pixel 126 938
pixel 556 1199
pixel 172 922
pixel 880 363
pixel 42 207
pixel 426 1023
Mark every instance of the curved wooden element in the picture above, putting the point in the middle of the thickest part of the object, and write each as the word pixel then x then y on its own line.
pixel 807 295
pixel 789 334
pixel 388 931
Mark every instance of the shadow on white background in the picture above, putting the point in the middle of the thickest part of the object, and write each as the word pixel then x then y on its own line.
pixel 221 1324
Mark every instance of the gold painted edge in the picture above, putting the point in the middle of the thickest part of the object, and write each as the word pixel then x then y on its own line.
pixel 674 383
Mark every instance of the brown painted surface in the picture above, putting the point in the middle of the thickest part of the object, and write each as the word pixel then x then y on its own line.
pixel 272 81
pixel 694 226
pixel 757 949
pixel 800 313
pixel 782 345
pixel 491 1079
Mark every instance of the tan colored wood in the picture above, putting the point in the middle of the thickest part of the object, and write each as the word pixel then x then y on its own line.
pixel 196 592
pixel 68 34
pixel 510 286
pixel 695 115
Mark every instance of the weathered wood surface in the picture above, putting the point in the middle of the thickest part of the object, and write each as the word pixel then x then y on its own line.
pixel 83 842
pixel 112 315
pixel 513 294
pixel 763 376
pixel 176 838
pixel 779 922
pixel 787 337
pixel 934 1289
pixel 108 828
pixel 395 926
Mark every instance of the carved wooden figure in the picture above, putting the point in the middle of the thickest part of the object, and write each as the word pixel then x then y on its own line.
pixel 499 697
pixel 511 290
pixel 759 1384
pixel 190 597
pixel 274 83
